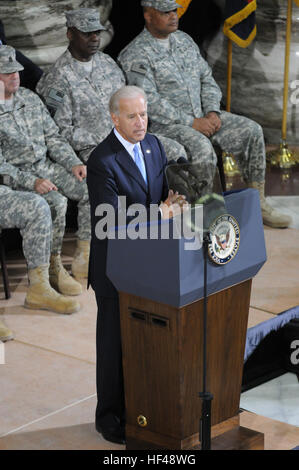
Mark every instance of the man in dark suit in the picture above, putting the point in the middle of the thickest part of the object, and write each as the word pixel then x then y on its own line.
pixel 131 163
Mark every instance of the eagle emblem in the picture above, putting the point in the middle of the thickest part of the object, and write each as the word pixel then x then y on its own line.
pixel 224 239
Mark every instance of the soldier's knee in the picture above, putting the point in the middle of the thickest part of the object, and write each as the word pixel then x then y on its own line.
pixel 58 201
pixel 41 208
pixel 204 152
pixel 256 129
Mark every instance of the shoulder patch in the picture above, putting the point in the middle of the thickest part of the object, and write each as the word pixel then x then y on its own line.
pixel 55 95
pixel 138 68
pixel 54 100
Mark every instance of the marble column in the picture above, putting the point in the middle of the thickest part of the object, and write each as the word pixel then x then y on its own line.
pixel 37 28
pixel 258 71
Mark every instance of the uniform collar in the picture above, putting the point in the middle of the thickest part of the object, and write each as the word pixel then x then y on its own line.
pixel 151 40
pixel 18 102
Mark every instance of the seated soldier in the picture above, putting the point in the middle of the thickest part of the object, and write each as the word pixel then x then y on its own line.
pixel 184 100
pixel 31 214
pixel 77 88
pixel 35 157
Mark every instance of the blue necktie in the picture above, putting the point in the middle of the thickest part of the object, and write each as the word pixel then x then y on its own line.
pixel 140 162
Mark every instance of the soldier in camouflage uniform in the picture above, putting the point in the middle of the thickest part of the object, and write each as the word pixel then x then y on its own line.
pixel 31 214
pixel 34 157
pixel 77 88
pixel 184 99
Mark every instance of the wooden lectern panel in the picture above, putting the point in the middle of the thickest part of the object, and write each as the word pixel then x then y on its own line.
pixel 162 361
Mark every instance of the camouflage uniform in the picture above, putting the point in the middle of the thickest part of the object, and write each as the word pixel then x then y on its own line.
pixel 180 87
pixel 28 136
pixel 31 214
pixel 79 103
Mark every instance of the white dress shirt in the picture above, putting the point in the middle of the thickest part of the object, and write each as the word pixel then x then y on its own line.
pixel 128 145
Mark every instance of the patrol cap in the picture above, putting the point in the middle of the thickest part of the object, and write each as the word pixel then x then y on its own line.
pixel 8 62
pixel 161 5
pixel 84 19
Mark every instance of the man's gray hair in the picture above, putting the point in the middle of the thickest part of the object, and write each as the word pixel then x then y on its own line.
pixel 126 92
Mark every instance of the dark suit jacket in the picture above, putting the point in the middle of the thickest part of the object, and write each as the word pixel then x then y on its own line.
pixel 111 172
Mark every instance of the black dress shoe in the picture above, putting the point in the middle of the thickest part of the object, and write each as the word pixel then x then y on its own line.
pixel 113 434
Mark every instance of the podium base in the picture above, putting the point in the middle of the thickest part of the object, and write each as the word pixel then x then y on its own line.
pixel 228 435
pixel 236 439
pixel 239 439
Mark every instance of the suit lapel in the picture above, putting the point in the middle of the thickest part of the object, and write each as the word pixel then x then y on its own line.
pixel 126 162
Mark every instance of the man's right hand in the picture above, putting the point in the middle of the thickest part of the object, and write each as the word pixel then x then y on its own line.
pixel 204 125
pixel 173 205
pixel 44 186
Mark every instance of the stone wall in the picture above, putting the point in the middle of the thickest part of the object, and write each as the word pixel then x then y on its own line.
pixel 37 27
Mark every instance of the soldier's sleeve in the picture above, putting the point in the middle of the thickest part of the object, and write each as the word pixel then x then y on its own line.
pixel 51 91
pixel 139 72
pixel 20 178
pixel 78 137
pixel 58 148
pixel 210 91
pixel 55 93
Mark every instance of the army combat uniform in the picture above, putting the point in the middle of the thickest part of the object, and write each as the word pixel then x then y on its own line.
pixel 79 102
pixel 180 87
pixel 31 214
pixel 32 148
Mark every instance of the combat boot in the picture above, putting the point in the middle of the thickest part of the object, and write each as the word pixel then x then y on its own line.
pixel 41 296
pixel 271 217
pixel 5 333
pixel 81 259
pixel 60 279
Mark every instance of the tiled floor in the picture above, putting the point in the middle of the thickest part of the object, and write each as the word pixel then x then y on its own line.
pixel 47 385
pixel 276 399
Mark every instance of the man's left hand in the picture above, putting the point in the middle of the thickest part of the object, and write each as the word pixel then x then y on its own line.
pixel 215 120
pixel 79 171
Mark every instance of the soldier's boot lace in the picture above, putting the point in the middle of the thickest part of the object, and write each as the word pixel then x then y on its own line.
pixel 60 279
pixel 271 217
pixel 81 259
pixel 42 296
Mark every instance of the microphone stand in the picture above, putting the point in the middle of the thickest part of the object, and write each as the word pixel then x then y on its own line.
pixel 207 397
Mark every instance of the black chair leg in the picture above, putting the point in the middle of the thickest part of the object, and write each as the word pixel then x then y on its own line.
pixel 4 270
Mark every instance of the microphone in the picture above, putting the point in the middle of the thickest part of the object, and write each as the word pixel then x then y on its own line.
pixel 199 184
pixel 178 179
pixel 175 168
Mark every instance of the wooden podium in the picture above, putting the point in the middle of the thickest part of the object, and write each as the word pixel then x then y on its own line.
pixel 161 306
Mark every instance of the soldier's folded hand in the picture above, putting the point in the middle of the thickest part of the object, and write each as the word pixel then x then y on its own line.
pixel 214 119
pixel 44 186
pixel 205 126
pixel 79 171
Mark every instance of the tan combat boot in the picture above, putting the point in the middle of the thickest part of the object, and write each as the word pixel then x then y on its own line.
pixel 271 217
pixel 60 279
pixel 5 333
pixel 41 295
pixel 81 259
